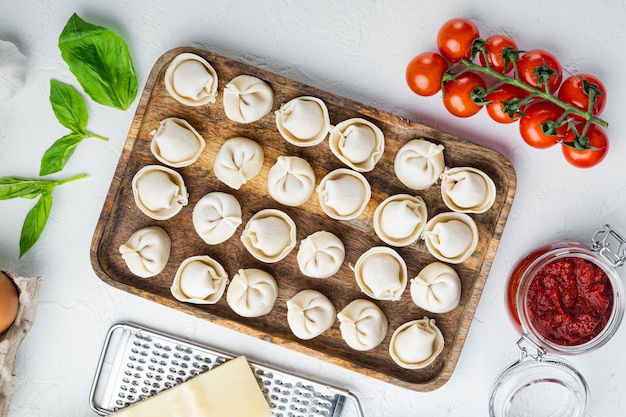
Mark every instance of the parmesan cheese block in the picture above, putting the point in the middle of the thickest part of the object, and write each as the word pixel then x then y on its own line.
pixel 230 390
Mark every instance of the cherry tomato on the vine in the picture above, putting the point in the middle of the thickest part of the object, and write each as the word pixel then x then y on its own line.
pixel 455 38
pixel 497 99
pixel 457 94
pixel 530 125
pixel 572 92
pixel 424 72
pixel 533 63
pixel 494 45
pixel 589 157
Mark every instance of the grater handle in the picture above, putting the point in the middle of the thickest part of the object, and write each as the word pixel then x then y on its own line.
pixel 357 403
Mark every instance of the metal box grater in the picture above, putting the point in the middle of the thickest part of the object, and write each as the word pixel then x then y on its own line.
pixel 137 362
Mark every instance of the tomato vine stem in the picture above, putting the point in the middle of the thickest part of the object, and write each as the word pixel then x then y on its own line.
pixel 533 92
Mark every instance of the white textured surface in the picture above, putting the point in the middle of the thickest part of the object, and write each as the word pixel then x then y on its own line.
pixel 353 48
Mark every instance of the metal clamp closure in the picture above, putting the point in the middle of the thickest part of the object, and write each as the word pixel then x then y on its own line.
pixel 602 241
pixel 524 344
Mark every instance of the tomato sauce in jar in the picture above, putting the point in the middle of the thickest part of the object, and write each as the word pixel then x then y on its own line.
pixel 570 301
pixel 565 297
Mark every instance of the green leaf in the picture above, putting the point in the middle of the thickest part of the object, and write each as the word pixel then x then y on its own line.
pixel 57 155
pixel 100 61
pixel 35 222
pixel 13 187
pixel 68 106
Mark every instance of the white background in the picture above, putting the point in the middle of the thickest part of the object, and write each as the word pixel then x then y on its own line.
pixel 353 48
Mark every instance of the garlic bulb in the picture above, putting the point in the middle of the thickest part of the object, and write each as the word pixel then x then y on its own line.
pixel 12 70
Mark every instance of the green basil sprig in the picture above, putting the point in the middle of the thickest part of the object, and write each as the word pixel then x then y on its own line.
pixel 35 221
pixel 71 111
pixel 100 61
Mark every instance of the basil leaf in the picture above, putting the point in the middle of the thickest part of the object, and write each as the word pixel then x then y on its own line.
pixel 100 61
pixel 68 106
pixel 57 155
pixel 13 187
pixel 35 222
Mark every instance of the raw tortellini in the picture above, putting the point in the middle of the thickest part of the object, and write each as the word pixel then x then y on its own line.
pixel 416 344
pixel 252 293
pixel 451 237
pixel 176 143
pixel 13 70
pixel 147 251
pixel 309 314
pixel 291 180
pixel 269 235
pixel 381 273
pixel 363 325
pixel 238 161
pixel 216 217
pixel 400 219
pixel 321 255
pixel 344 194
pixel 357 143
pixel 437 288
pixel 159 192
pixel 303 121
pixel 247 99
pixel 191 80
pixel 467 190
pixel 199 280
pixel 419 163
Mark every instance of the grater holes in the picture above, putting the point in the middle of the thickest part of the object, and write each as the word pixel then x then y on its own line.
pixel 321 412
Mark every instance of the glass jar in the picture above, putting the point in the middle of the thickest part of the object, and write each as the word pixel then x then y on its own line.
pixel 544 302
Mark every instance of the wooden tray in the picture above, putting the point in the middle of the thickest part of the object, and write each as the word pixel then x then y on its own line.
pixel 120 217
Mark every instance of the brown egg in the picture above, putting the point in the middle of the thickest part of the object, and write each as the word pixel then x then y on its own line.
pixel 8 302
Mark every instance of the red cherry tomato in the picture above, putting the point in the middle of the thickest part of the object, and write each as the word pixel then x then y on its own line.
pixel 457 96
pixel 589 157
pixel 530 66
pixel 572 92
pixel 494 46
pixel 496 107
pixel 455 38
pixel 424 72
pixel 530 125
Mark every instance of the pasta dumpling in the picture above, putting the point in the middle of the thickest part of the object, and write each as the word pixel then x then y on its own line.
pixel 303 121
pixel 400 219
pixel 291 180
pixel 247 99
pixel 176 143
pixel 216 217
pixel 419 163
pixel 437 288
pixel 159 192
pixel 357 143
pixel 363 325
pixel 269 235
pixel 238 161
pixel 321 255
pixel 252 293
pixel 416 344
pixel 467 190
pixel 191 80
pixel 344 194
pixel 381 273
pixel 451 237
pixel 309 314
pixel 147 251
pixel 199 280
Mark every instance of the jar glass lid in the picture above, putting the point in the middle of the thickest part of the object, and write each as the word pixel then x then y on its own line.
pixel 539 386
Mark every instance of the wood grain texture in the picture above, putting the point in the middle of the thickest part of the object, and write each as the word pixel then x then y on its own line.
pixel 120 217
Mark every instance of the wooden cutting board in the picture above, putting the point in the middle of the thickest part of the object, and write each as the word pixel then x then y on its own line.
pixel 120 217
